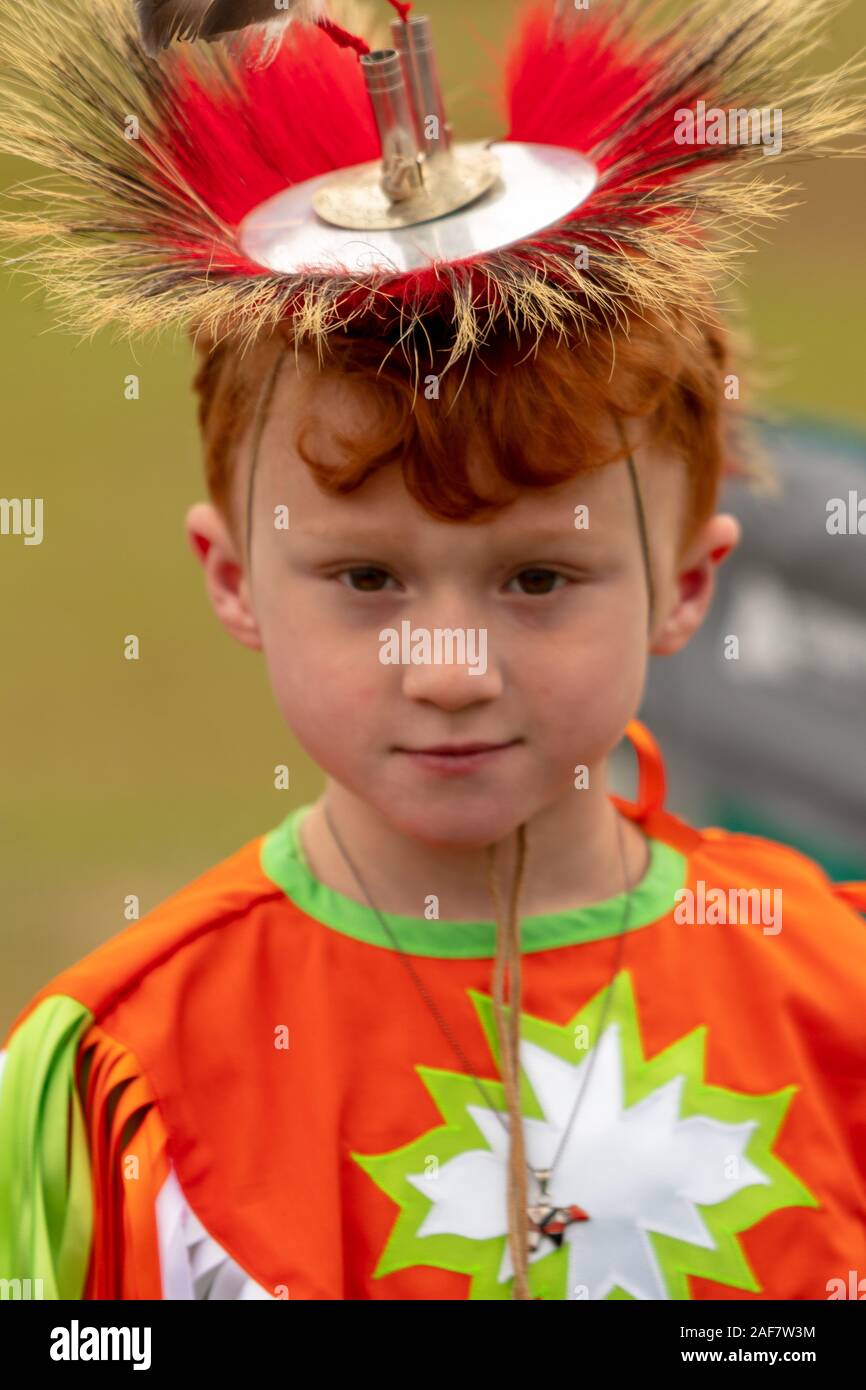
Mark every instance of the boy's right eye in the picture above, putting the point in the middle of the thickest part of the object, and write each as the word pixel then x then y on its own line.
pixel 367 573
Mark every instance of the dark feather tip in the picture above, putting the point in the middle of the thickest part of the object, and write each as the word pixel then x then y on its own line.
pixel 160 21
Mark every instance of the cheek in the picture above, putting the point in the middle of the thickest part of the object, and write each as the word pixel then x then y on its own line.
pixel 322 695
pixel 585 686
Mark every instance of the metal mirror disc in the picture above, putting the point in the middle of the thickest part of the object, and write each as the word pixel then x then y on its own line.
pixel 537 186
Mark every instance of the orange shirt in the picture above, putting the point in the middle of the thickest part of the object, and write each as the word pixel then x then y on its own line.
pixel 257 1044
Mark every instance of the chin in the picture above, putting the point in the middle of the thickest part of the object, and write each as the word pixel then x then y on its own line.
pixel 456 827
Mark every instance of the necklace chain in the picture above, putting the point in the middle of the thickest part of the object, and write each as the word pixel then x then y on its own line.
pixel 542 1176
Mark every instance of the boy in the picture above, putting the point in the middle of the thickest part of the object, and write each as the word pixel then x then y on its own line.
pixel 338 1065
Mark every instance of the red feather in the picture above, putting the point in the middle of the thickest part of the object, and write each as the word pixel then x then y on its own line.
pixel 571 96
pixel 305 113
pixel 581 95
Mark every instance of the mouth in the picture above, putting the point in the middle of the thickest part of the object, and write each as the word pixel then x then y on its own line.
pixel 457 757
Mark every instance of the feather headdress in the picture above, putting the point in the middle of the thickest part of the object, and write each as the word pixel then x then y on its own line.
pixel 167 163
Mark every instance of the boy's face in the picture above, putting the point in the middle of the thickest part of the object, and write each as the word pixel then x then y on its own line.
pixel 563 611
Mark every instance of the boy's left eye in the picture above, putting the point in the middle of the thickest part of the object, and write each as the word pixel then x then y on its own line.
pixel 538 580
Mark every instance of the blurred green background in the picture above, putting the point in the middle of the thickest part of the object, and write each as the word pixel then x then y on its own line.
pixel 133 777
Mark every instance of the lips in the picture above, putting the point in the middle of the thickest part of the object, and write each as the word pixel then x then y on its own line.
pixel 458 750
pixel 457 759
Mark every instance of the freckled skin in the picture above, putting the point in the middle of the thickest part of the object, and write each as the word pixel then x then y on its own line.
pixel 566 614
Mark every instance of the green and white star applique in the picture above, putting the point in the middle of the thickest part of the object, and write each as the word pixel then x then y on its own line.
pixel 667 1169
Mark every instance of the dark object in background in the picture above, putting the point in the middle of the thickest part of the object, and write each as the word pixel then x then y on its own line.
pixel 774 743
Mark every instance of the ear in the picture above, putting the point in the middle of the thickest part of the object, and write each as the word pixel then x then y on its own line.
pixel 212 544
pixel 695 583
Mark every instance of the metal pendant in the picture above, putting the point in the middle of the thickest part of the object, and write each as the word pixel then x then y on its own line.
pixel 545 1219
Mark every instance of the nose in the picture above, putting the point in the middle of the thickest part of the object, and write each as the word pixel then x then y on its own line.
pixel 455 663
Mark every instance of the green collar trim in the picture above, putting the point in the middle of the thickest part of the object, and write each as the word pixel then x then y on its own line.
pixel 283 861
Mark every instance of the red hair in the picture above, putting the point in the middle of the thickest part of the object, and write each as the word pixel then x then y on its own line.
pixel 535 419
